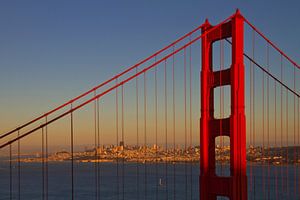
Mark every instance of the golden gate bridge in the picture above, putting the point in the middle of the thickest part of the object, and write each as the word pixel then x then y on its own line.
pixel 150 125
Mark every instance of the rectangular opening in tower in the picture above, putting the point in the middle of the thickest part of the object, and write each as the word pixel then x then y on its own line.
pixel 221 51
pixel 222 156
pixel 222 198
pixel 222 102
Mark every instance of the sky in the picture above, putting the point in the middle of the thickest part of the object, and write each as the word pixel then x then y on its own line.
pixel 51 51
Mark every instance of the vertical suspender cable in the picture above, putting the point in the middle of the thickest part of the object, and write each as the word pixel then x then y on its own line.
pixel 98 146
pixel 298 153
pixel 174 154
pixel 298 128
pixel 19 168
pixel 10 173
pixel 137 136
pixel 145 133
pixel 156 145
pixel 96 149
pixel 123 142
pixel 251 128
pixel 281 123
pixel 253 107
pixel 46 157
pixel 190 150
pixel 263 133
pixel 275 131
pixel 222 99
pixel 254 119
pixel 166 130
pixel 295 155
pixel 72 154
pixel 117 138
pixel 221 104
pixel 185 125
pixel 43 165
pixel 268 123
pixel 287 144
pixel 222 88
pixel 253 86
pixel 251 118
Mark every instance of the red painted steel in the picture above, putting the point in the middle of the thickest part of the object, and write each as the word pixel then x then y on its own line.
pixel 211 185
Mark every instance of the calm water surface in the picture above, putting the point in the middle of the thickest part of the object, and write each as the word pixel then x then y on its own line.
pixel 155 184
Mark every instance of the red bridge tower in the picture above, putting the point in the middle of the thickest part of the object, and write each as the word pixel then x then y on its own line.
pixel 235 186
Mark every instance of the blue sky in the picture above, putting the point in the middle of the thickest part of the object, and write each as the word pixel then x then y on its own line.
pixel 52 51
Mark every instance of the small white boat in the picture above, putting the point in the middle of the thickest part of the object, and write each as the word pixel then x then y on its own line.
pixel 160 182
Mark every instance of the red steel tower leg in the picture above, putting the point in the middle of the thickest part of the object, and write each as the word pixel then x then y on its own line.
pixel 211 185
